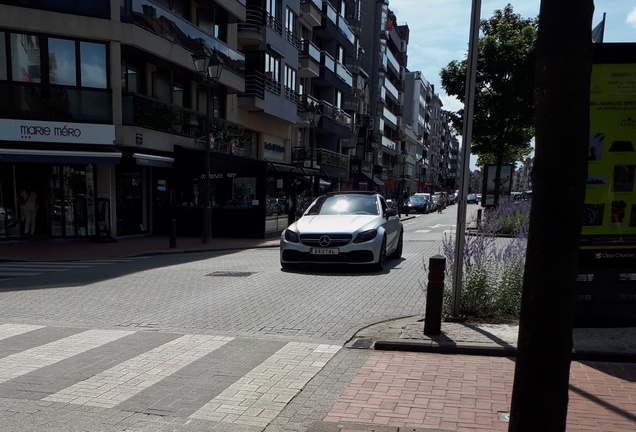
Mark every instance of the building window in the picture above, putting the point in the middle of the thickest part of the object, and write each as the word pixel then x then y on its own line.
pixel 290 84
pixel 62 64
pixel 291 22
pixel 25 58
pixel 290 78
pixel 338 99
pixel 340 54
pixel 93 62
pixel 131 78
pixel 273 14
pixel 272 67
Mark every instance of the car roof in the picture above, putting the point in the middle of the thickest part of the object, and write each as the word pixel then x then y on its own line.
pixel 368 193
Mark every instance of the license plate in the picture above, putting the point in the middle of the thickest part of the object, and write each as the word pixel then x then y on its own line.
pixel 324 251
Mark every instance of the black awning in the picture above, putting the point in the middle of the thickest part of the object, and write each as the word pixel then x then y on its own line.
pixel 60 156
pixel 287 168
pixel 152 160
pixel 373 178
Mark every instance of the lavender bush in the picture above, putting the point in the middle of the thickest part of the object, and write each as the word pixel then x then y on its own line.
pixel 492 265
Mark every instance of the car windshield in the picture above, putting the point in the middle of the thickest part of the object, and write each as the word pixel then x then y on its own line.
pixel 344 205
pixel 417 199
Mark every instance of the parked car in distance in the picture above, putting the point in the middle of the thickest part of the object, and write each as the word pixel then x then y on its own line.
pixel 353 228
pixel 418 203
pixel 472 199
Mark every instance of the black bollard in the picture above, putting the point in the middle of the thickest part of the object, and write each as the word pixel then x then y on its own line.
pixel 434 295
pixel 173 233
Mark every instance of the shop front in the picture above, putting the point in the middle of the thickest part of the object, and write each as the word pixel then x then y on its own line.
pixel 57 166
pixel 250 198
pixel 63 184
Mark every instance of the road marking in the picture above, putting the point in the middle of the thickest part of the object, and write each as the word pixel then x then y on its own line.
pixel 260 395
pixel 125 380
pixel 10 330
pixel 27 361
pixel 423 231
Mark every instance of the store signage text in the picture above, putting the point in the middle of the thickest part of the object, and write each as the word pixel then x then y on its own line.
pixel 30 131
pixel 56 132
pixel 218 176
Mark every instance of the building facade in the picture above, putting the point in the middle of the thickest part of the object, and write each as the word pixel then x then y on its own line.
pixel 107 121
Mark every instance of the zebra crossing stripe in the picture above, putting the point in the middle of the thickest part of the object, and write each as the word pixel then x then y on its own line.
pixel 27 361
pixel 10 330
pixel 260 395
pixel 125 380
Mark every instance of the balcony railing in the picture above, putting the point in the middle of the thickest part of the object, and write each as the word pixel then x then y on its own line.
pixel 274 23
pixel 310 50
pixel 253 20
pixel 139 110
pixel 328 157
pixel 255 85
pixel 344 73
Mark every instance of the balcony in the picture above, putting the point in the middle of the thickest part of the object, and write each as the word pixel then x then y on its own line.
pixel 167 25
pixel 390 117
pixel 336 165
pixel 311 12
pixel 253 99
pixel 251 31
pixel 139 110
pixel 309 60
pixel 55 103
pixel 333 74
pixel 334 26
pixel 386 142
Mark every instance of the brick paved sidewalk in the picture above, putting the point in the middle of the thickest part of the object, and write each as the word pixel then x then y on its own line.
pixel 444 392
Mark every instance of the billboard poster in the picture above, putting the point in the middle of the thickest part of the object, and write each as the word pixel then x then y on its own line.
pixel 610 203
pixel 606 279
pixel 489 185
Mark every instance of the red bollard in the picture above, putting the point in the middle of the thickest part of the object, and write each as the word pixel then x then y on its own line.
pixel 434 295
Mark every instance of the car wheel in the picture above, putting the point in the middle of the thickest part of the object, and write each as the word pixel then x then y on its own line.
pixel 397 254
pixel 379 266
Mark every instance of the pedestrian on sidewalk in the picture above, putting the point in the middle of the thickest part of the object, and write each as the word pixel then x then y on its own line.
pixel 28 209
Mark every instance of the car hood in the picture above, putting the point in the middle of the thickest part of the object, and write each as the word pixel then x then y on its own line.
pixel 335 223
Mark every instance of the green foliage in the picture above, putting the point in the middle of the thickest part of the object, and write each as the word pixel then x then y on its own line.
pixel 503 123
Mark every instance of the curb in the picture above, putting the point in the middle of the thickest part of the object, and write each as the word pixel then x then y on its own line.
pixel 492 350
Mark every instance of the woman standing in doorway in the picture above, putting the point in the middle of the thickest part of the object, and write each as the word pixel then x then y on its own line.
pixel 29 209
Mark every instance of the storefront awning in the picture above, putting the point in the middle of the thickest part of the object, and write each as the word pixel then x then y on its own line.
pixel 283 167
pixel 59 156
pixel 153 161
pixel 375 180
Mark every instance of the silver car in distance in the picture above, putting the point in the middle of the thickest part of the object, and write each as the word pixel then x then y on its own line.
pixel 355 227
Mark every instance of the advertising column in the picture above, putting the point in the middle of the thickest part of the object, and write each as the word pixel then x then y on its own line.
pixel 607 273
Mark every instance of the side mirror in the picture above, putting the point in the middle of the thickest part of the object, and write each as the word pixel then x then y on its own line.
pixel 390 212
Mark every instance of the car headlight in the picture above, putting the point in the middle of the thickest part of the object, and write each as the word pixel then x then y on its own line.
pixel 291 236
pixel 365 236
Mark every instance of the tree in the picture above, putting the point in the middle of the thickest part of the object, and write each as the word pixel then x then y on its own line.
pixel 562 96
pixel 503 124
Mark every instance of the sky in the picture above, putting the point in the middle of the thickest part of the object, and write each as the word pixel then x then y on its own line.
pixel 439 31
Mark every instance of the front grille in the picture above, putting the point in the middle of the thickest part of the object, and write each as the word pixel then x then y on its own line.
pixel 325 240
pixel 355 257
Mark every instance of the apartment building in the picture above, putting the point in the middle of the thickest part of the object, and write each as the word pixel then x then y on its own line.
pixel 417 95
pixel 108 120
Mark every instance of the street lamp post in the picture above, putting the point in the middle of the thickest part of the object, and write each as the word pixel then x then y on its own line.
pixel 209 65
pixel 312 115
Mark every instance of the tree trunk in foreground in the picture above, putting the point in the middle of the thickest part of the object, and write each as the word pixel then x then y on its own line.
pixel 562 90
